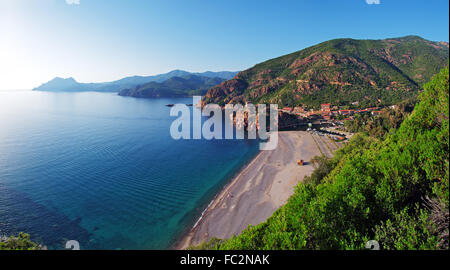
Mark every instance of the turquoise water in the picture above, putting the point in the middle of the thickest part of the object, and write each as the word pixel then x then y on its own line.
pixel 103 170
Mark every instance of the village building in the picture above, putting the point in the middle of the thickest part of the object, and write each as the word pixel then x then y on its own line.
pixel 325 111
pixel 325 107
pixel 376 112
pixel 326 115
pixel 298 110
pixel 346 112
pixel 286 109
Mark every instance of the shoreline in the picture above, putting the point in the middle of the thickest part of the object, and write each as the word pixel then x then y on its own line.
pixel 218 196
pixel 259 189
pixel 186 237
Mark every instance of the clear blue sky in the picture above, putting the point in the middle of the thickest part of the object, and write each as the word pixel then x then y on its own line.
pixel 103 40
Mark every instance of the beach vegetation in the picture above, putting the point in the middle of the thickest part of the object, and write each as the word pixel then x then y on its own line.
pixel 20 242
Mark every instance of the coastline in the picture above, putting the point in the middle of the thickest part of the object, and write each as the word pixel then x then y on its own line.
pixel 258 190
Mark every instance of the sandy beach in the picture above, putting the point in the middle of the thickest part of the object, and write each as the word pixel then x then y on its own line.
pixel 262 187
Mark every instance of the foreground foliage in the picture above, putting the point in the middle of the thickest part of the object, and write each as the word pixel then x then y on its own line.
pixel 394 190
pixel 19 242
pixel 380 125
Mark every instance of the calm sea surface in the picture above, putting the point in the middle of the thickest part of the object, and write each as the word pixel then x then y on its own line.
pixel 102 169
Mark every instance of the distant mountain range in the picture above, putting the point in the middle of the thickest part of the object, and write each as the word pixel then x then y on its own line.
pixel 187 85
pixel 340 71
pixel 71 85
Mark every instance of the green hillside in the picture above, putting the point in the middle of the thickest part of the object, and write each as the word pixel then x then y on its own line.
pixel 174 87
pixel 394 191
pixel 341 71
pixel 20 242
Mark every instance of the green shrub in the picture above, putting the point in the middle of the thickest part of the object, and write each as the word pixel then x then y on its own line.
pixel 20 242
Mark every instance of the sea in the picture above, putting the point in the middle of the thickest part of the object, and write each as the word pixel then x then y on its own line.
pixel 103 170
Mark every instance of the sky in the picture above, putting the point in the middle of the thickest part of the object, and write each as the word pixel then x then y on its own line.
pixel 105 40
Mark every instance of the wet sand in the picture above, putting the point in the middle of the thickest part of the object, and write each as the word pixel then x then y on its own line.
pixel 262 187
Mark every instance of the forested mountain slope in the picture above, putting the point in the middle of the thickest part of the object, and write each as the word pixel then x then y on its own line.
pixel 340 71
